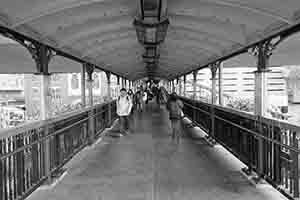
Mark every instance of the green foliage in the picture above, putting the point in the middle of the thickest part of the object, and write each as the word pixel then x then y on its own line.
pixel 243 104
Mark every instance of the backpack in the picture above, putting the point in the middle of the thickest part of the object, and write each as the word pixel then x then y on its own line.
pixel 127 98
pixel 175 110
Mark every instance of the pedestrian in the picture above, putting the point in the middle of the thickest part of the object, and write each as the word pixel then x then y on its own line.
pixel 131 97
pixel 174 106
pixel 144 99
pixel 124 106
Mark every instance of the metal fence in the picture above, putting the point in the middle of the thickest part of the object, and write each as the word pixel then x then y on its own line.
pixel 267 146
pixel 32 153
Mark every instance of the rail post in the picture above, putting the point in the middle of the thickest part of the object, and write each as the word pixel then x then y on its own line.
pixel 42 56
pixel 108 76
pixel 263 52
pixel 91 126
pixel 213 68
pixel 295 158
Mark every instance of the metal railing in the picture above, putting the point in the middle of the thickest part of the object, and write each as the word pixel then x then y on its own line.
pixel 31 154
pixel 267 146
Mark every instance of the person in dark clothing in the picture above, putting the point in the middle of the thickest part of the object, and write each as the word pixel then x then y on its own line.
pixel 174 106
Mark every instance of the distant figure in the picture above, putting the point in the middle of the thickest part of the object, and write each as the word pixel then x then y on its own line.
pixel 144 99
pixel 131 97
pixel 138 100
pixel 174 106
pixel 124 106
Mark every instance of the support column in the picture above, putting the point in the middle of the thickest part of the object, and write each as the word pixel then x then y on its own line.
pixel 195 73
pixel 108 75
pixel 173 86
pixel 184 85
pixel 42 56
pixel 178 87
pixel 118 85
pixel 214 68
pixel 91 131
pixel 262 51
pixel 44 96
pixel 221 95
pixel 83 96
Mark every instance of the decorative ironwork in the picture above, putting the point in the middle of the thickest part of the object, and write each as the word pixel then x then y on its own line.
pixel 214 68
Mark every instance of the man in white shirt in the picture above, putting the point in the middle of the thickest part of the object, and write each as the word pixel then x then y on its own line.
pixel 124 106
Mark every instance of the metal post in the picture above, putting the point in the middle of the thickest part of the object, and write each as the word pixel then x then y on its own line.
pixel 184 85
pixel 221 95
pixel 195 73
pixel 108 75
pixel 262 53
pixel 43 116
pixel 83 96
pixel 173 85
pixel 44 96
pixel 91 131
pixel 180 87
pixel 213 68
pixel 42 57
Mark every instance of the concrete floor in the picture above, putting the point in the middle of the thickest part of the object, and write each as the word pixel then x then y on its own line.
pixel 147 165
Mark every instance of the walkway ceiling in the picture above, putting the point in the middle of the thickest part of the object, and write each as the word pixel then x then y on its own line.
pixel 102 32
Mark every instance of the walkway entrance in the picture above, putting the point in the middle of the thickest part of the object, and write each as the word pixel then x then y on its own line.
pixel 147 165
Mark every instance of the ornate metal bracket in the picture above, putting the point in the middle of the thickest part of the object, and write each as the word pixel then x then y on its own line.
pixel 263 51
pixel 195 74
pixel 40 53
pixel 89 69
pixel 214 68
pixel 108 75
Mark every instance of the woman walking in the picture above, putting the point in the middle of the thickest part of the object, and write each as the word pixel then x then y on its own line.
pixel 174 106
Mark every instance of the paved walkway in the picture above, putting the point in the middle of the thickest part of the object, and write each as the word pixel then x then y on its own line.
pixel 147 165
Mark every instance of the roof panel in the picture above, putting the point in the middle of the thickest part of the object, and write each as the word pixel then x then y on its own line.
pixel 199 32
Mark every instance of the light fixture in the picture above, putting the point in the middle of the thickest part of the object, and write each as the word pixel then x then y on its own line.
pixel 151 34
pixel 151 54
pixel 151 25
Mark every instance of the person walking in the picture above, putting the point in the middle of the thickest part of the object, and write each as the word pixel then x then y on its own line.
pixel 124 106
pixel 174 106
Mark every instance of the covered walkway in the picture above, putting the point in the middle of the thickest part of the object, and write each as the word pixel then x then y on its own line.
pixel 148 165
pixel 132 43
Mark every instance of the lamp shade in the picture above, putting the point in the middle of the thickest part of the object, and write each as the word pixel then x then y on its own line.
pixel 151 34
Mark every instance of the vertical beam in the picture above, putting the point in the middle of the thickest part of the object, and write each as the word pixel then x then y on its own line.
pixel 83 96
pixel 178 86
pixel 221 95
pixel 118 85
pixel 42 56
pixel 195 73
pixel 214 68
pixel 91 131
pixel 184 85
pixel 44 96
pixel 263 52
pixel 90 70
pixel 108 76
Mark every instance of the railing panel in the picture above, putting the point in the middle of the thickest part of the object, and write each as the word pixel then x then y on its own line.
pixel 241 132
pixel 23 149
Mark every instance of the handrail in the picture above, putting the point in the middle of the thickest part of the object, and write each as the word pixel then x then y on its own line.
pixel 268 146
pixel 31 153
pixel 279 122
pixel 37 124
